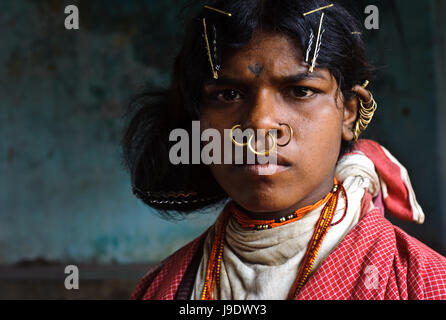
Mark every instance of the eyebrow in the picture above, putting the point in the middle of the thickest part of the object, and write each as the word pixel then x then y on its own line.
pixel 302 76
pixel 222 80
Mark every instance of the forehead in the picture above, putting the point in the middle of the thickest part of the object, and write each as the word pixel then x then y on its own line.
pixel 278 53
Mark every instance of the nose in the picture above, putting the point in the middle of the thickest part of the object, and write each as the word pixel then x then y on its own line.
pixel 264 114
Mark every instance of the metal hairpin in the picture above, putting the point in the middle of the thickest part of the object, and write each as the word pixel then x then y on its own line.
pixel 318 9
pixel 217 66
pixel 310 43
pixel 318 48
pixel 318 44
pixel 218 10
pixel 319 36
pixel 214 73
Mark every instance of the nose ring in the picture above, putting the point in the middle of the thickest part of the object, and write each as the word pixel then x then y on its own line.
pixel 291 134
pixel 275 143
pixel 232 137
pixel 262 153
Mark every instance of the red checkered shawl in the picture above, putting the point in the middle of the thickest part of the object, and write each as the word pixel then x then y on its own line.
pixel 407 269
pixel 376 260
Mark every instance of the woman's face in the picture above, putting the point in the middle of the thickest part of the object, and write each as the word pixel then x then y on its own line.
pixel 260 86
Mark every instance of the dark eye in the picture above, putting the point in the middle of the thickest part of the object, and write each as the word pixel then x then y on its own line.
pixel 301 92
pixel 229 96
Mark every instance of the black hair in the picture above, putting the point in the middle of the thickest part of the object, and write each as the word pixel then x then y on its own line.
pixel 180 189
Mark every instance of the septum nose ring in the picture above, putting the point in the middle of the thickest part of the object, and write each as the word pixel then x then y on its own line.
pixel 275 143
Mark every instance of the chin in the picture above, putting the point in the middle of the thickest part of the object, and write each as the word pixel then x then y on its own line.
pixel 260 202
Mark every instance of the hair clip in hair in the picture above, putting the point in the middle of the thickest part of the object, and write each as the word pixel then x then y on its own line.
pixel 318 39
pixel 214 42
pixel 318 9
pixel 318 44
pixel 218 10
pixel 310 43
pixel 214 73
pixel 217 66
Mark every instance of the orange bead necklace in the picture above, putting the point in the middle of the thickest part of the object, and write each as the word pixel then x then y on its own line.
pixel 214 265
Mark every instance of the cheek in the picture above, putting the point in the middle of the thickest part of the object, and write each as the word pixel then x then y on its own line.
pixel 326 126
pixel 319 135
pixel 213 122
pixel 211 118
pixel 206 119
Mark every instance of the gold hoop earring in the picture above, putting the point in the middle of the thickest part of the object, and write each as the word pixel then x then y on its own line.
pixel 262 153
pixel 232 136
pixel 291 135
pixel 365 84
pixel 365 116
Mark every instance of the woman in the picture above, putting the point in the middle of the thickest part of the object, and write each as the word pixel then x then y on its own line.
pixel 313 226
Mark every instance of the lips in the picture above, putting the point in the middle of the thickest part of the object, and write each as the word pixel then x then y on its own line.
pixel 263 169
pixel 274 165
pixel 273 159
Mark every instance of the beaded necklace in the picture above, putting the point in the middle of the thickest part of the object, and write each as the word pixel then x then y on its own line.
pixel 214 265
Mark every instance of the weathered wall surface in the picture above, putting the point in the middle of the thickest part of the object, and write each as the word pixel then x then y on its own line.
pixel 64 194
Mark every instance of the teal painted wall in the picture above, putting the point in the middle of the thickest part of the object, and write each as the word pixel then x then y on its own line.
pixel 64 194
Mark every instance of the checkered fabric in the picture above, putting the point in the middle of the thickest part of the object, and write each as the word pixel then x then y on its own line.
pixel 376 260
pixel 162 281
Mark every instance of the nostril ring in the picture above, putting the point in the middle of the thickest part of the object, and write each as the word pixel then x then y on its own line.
pixel 232 136
pixel 291 134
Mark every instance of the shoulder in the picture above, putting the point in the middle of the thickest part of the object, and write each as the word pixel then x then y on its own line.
pixel 412 268
pixel 376 261
pixel 426 269
pixel 162 281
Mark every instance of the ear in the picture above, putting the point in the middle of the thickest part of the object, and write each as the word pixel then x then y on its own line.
pixel 351 111
pixel 349 120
